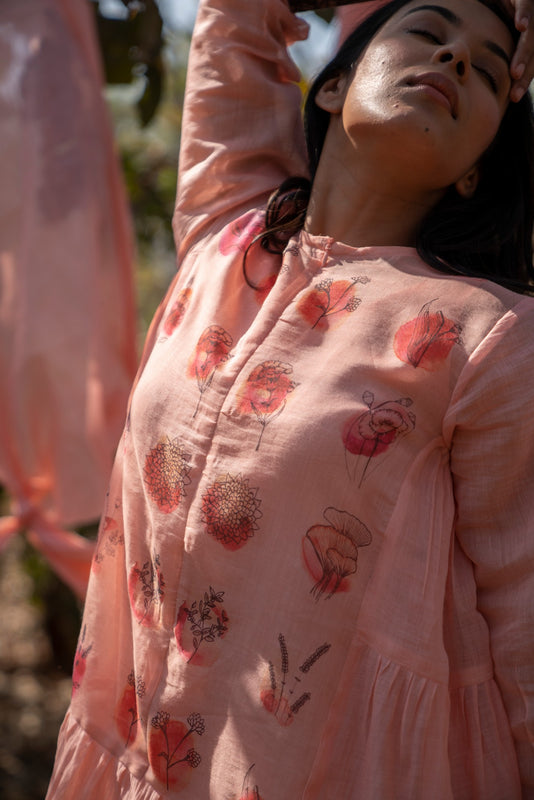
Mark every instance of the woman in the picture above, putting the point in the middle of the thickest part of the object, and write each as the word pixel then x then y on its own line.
pixel 313 577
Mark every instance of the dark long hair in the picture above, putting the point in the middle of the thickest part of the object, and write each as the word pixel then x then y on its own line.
pixel 488 235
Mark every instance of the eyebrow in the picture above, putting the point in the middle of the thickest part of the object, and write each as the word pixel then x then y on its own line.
pixel 455 20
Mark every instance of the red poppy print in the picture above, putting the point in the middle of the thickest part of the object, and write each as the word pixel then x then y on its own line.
pixel 265 392
pixel 146 590
pixel 167 474
pixel 239 235
pixel 212 350
pixel 329 300
pixel 331 551
pixel 249 790
pixel 277 697
pixel 80 662
pixel 230 510
pixel 200 624
pixel 126 712
pixel 370 434
pixel 177 311
pixel 109 539
pixel 171 748
pixel 427 340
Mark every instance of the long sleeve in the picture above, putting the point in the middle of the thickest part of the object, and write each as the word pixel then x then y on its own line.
pixel 242 131
pixel 492 460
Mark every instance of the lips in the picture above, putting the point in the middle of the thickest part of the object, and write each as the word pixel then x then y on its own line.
pixel 441 84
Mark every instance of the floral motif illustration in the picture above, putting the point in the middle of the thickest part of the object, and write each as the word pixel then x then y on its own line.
pixel 427 340
pixel 265 392
pixel 80 662
pixel 331 551
pixel 201 622
pixel 230 510
pixel 146 591
pixel 239 235
pixel 249 790
pixel 170 746
pixel 167 474
pixel 177 311
pixel 373 432
pixel 126 713
pixel 212 350
pixel 328 298
pixel 109 539
pixel 277 699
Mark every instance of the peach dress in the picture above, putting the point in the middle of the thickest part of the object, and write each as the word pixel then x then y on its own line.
pixel 314 573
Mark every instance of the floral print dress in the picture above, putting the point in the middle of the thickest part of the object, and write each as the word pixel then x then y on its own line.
pixel 314 572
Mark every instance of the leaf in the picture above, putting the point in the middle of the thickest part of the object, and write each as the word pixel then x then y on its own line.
pixel 195 643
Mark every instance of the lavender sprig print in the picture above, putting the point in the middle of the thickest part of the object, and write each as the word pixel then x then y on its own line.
pixel 276 699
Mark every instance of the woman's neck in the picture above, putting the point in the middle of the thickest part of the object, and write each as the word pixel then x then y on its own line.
pixel 368 204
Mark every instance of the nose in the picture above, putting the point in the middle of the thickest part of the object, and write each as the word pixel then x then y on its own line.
pixel 456 54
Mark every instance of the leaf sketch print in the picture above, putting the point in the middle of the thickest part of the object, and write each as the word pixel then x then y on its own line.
pixel 277 699
pixel 230 510
pixel 204 621
pixel 371 433
pixel 331 551
pixel 126 712
pixel 212 350
pixel 177 311
pixel 109 539
pixel 265 392
pixel 170 746
pixel 427 340
pixel 166 474
pixel 249 790
pixel 146 591
pixel 330 298
pixel 80 662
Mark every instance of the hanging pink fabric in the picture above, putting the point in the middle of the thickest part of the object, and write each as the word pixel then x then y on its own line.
pixel 67 315
pixel 352 16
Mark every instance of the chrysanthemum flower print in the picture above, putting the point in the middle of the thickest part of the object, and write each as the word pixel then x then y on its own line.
pixel 167 474
pixel 265 392
pixel 427 340
pixel 371 433
pixel 126 713
pixel 230 510
pixel 330 301
pixel 146 590
pixel 212 350
pixel 177 311
pixel 172 748
pixel 331 551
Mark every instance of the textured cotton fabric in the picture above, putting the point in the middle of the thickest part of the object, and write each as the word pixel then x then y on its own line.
pixel 314 574
pixel 67 314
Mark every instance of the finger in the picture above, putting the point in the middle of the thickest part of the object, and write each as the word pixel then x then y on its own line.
pixel 522 66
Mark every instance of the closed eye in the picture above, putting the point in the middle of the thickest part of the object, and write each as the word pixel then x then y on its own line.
pixel 426 34
pixel 488 77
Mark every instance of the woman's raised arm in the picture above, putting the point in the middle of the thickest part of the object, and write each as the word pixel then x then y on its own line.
pixel 242 131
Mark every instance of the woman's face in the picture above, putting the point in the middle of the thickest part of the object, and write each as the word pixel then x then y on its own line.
pixel 436 76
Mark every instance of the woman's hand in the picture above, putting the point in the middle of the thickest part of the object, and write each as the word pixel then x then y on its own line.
pixel 522 69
